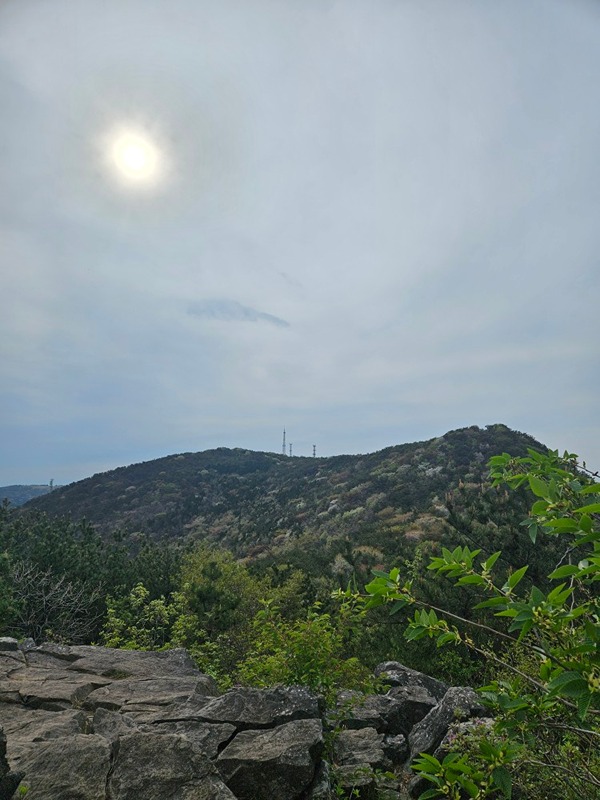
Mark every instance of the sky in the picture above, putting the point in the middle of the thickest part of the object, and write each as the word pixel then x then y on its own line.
pixel 366 221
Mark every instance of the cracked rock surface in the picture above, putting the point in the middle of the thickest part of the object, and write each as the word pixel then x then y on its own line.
pixel 94 723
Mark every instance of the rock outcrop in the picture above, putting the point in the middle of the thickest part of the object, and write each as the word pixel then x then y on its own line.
pixel 92 723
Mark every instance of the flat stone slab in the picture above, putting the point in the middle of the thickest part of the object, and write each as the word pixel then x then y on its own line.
pixel 261 708
pixel 275 764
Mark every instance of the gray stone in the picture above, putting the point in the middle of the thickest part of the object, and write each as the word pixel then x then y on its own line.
pixel 70 768
pixel 412 703
pixel 8 643
pixel 261 708
pixel 393 713
pixel 9 780
pixel 275 764
pixel 111 724
pixel 39 725
pixel 458 704
pixel 321 785
pixel 147 694
pixel 363 746
pixel 395 749
pixel 162 767
pixel 51 690
pixel 396 674
pixel 209 737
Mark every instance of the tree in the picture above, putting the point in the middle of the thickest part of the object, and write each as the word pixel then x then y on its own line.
pixel 547 696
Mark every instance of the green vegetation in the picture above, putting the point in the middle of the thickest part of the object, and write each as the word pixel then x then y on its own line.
pixel 546 695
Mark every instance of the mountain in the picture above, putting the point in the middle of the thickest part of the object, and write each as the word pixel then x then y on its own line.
pixel 18 495
pixel 252 502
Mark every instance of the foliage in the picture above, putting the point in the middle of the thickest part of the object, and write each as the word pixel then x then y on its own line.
pixel 557 698
pixel 137 622
pixel 55 575
pixel 311 651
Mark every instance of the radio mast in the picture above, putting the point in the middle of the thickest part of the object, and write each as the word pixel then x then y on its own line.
pixel 283 448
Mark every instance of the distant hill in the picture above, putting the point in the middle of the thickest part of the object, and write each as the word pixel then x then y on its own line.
pixel 252 502
pixel 18 495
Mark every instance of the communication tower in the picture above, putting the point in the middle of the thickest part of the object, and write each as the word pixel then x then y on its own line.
pixel 283 449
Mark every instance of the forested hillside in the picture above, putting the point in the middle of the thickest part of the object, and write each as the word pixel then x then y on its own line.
pixel 249 501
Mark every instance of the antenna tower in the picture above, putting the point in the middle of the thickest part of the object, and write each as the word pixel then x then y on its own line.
pixel 290 449
pixel 314 450
pixel 283 446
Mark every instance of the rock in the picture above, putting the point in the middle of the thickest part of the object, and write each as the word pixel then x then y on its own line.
pixel 396 674
pixel 393 713
pixel 412 703
pixel 66 767
pixel 39 725
pixel 395 749
pixel 52 690
pixel 111 724
pixel 261 708
pixel 147 695
pixel 156 767
pixel 209 737
pixel 275 764
pixel 321 785
pixel 8 643
pixel 458 704
pixel 363 746
pixel 9 780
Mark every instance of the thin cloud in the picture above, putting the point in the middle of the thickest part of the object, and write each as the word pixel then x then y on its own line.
pixel 232 311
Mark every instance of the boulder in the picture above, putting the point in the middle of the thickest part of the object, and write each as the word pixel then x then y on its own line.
pixel 261 708
pixel 156 767
pixel 359 747
pixel 458 704
pixel 9 780
pixel 39 725
pixel 274 764
pixel 396 674
pixel 61 768
pixel 411 704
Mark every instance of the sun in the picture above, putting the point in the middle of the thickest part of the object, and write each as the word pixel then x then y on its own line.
pixel 134 157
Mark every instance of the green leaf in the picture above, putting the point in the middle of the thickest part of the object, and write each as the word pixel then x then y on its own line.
pixel 583 704
pixel 492 560
pixel 593 508
pixel 539 487
pixel 380 574
pixel 564 572
pixel 514 579
pixel 562 524
pixel 397 606
pixel 501 778
pixel 430 793
pixel 476 580
pixel 593 489
pixel 445 638
pixel 493 601
pixel 533 532
pixel 539 507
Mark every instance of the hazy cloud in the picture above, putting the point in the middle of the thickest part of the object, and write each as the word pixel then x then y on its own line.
pixel 231 311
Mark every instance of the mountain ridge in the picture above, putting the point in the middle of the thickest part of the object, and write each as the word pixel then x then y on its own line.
pixel 249 500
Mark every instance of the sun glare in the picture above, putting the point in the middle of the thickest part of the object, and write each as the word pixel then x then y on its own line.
pixel 134 157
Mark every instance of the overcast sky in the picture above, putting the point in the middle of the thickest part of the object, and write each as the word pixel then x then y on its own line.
pixel 368 221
